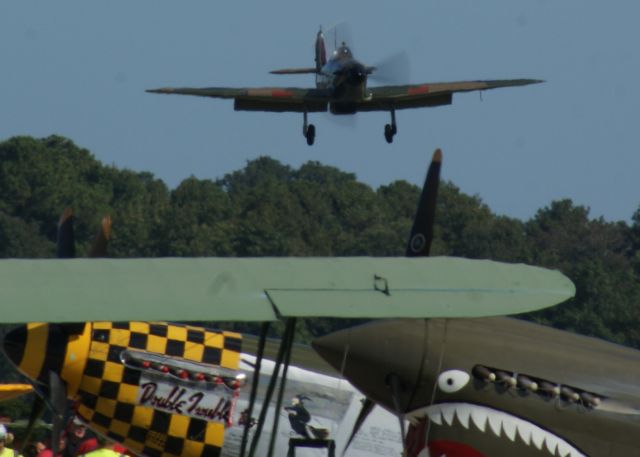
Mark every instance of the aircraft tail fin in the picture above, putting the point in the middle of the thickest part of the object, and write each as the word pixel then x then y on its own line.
pixel 321 51
pixel 422 231
pixel 321 59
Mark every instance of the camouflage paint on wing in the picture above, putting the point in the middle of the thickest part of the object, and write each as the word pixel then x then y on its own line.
pixel 384 98
pixel 274 99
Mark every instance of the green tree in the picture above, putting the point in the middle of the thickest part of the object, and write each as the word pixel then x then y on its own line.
pixel 595 255
pixel 198 221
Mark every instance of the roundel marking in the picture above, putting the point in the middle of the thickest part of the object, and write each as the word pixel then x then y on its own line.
pixel 418 242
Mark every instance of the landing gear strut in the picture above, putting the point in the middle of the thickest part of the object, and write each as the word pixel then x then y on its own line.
pixel 308 130
pixel 391 129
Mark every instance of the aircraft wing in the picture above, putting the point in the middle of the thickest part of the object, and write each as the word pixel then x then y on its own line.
pixel 384 98
pixel 10 391
pixel 266 289
pixel 276 99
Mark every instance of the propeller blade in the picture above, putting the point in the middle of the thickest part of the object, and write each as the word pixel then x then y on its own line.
pixel 58 403
pixel 99 247
pixel 394 69
pixel 36 412
pixel 66 246
pixel 396 388
pixel 367 407
pixel 422 231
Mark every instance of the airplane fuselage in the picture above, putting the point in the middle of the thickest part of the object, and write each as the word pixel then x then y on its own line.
pixel 346 78
pixel 497 387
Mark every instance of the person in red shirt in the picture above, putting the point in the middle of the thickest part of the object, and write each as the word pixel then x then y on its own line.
pixel 46 451
pixel 80 440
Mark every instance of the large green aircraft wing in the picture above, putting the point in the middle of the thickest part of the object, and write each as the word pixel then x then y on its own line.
pixel 265 289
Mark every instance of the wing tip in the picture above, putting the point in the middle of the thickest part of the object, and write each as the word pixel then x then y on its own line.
pixel 162 90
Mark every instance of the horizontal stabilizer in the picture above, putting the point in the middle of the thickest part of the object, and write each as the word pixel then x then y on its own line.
pixel 294 71
pixel 265 289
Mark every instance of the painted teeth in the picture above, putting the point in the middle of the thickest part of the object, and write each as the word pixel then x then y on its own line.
pixel 500 423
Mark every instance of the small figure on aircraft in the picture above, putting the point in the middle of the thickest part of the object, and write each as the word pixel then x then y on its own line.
pixel 299 418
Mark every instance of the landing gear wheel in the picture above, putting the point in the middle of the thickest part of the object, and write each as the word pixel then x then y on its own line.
pixel 390 130
pixel 310 134
pixel 388 133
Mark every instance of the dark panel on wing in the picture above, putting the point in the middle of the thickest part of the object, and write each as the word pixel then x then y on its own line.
pixel 386 102
pixel 279 105
pixel 282 100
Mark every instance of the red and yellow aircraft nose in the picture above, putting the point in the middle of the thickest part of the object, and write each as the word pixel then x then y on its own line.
pixel 36 349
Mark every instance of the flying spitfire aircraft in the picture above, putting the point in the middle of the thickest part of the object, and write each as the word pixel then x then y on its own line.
pixel 341 86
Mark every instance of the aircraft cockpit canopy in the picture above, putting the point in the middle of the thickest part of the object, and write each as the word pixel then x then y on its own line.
pixel 343 51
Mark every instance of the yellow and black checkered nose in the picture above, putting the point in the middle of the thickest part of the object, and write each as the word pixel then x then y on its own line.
pixel 37 349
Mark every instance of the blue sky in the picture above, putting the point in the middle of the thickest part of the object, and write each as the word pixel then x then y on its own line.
pixel 79 69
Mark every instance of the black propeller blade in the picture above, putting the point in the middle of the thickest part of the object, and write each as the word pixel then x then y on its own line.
pixel 395 384
pixel 36 413
pixel 394 69
pixel 99 247
pixel 422 232
pixel 54 396
pixel 65 249
pixel 367 407
pixel 58 404
pixel 66 245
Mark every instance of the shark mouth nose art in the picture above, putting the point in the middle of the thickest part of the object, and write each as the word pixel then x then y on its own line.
pixel 499 423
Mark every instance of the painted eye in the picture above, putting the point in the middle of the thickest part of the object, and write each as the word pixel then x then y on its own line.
pixel 452 381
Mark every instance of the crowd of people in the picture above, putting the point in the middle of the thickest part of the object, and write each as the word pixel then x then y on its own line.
pixel 76 441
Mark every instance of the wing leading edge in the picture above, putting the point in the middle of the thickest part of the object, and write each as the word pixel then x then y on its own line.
pixel 385 98
pixel 274 99
pixel 265 289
